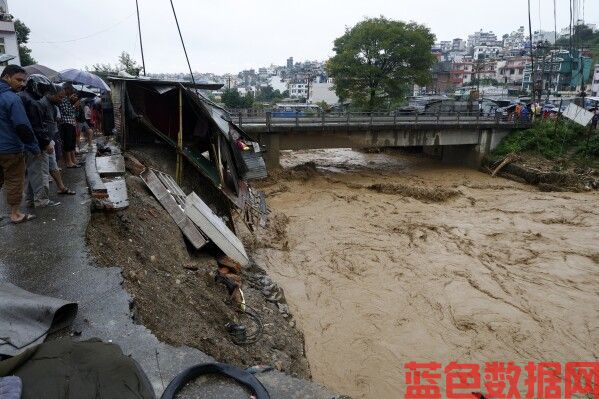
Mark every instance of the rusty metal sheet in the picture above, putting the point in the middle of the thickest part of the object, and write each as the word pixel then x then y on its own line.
pixel 113 165
pixel 190 231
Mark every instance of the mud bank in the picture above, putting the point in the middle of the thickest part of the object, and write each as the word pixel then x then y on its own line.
pixel 377 275
pixel 175 294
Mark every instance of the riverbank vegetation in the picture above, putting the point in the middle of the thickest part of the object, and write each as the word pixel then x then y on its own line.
pixel 555 140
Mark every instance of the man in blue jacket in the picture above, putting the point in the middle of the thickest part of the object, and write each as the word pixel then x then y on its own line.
pixel 15 133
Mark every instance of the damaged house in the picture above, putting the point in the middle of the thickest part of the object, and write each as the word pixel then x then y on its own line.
pixel 176 119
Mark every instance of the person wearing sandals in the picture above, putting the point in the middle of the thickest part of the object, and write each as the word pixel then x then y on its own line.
pixel 37 192
pixel 49 105
pixel 15 133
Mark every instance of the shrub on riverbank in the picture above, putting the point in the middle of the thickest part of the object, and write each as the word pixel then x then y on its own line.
pixel 552 139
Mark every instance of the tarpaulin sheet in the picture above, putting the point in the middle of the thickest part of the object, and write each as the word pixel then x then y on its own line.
pixel 26 318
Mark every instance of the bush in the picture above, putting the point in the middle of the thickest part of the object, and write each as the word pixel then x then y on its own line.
pixel 549 138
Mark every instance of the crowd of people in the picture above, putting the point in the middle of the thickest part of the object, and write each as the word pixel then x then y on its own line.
pixel 41 124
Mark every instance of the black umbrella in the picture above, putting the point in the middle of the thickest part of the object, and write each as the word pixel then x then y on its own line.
pixel 41 70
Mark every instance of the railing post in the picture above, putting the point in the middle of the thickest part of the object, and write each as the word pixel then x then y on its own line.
pixel 348 117
pixel 268 120
pixel 416 118
pixel 458 118
pixel 438 116
pixel 322 118
pixel 296 118
pixel 240 120
pixel 371 116
pixel 477 119
pixel 394 119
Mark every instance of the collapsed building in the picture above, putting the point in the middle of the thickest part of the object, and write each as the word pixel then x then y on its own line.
pixel 177 116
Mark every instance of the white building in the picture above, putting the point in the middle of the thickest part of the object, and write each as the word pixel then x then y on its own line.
pixel 298 90
pixel 595 86
pixel 515 40
pixel 323 92
pixel 481 38
pixel 8 36
pixel 486 52
pixel 278 84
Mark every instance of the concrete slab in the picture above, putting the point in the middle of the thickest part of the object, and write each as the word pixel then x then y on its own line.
pixel 48 256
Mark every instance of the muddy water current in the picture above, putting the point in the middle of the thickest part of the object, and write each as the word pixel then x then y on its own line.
pixel 390 258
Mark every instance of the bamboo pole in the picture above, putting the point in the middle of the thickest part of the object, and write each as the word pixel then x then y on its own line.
pixel 179 171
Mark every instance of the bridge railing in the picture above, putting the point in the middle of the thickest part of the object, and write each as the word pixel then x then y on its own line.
pixel 361 119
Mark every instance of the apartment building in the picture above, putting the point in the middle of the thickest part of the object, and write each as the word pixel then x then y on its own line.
pixel 8 36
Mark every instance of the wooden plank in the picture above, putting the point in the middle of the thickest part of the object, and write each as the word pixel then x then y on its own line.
pixel 117 194
pixel 95 183
pixel 113 165
pixel 189 230
pixel 215 229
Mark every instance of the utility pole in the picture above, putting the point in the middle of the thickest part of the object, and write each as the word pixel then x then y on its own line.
pixel 141 44
pixel 532 60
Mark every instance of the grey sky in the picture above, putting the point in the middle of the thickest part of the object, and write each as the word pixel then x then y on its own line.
pixel 231 35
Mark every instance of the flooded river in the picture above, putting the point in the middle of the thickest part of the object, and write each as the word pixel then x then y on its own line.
pixel 389 258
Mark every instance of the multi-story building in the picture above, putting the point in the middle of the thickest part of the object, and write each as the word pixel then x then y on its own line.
pixel 510 71
pixel 560 71
pixel 486 52
pixel 461 73
pixel 481 38
pixel 515 40
pixel 8 36
pixel 458 45
pixel 298 89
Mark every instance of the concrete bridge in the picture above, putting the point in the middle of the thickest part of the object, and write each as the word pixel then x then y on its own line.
pixel 455 138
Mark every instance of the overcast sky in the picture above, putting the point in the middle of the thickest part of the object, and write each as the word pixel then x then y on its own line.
pixel 231 35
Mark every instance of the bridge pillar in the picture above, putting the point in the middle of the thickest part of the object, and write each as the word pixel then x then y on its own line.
pixel 472 155
pixel 272 156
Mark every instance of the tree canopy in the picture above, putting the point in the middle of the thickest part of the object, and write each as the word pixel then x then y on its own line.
pixel 126 63
pixel 233 99
pixel 583 37
pixel 377 61
pixel 23 32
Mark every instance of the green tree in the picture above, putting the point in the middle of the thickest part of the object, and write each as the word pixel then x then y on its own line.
pixel 128 64
pixel 233 99
pixel 23 32
pixel 378 60
pixel 268 94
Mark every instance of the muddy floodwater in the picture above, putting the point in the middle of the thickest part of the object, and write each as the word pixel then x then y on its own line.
pixel 389 258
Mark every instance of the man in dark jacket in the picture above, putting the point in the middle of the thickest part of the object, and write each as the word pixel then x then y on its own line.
pixel 15 133
pixel 37 193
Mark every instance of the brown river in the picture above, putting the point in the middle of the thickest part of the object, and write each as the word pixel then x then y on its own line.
pixel 392 258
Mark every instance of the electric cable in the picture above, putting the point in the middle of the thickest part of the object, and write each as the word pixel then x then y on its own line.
pixel 182 42
pixel 87 36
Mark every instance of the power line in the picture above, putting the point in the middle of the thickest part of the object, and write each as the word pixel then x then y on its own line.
pixel 182 42
pixel 87 36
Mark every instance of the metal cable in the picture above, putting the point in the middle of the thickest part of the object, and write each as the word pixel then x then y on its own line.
pixel 182 42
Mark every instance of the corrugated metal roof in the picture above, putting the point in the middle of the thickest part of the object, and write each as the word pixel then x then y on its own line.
pixel 154 82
